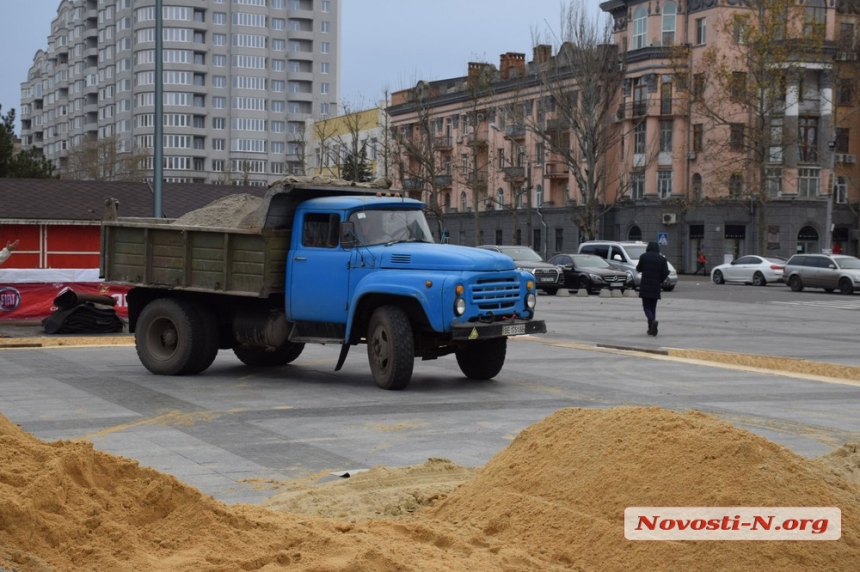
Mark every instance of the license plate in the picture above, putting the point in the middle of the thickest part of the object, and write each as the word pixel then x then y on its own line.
pixel 546 279
pixel 616 285
pixel 514 330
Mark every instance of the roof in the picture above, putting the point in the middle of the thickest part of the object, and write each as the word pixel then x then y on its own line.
pixel 81 201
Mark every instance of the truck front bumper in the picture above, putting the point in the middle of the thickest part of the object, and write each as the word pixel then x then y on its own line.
pixel 485 331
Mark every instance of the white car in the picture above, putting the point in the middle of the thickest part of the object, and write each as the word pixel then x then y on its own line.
pixel 751 269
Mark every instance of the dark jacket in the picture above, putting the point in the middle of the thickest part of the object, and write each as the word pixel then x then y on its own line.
pixel 654 269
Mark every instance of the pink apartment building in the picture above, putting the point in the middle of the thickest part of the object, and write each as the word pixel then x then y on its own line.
pixel 717 144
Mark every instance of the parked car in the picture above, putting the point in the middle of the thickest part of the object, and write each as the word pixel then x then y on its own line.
pixel 591 273
pixel 548 277
pixel 626 255
pixel 750 269
pixel 828 271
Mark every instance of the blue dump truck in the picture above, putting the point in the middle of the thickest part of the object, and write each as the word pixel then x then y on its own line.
pixel 326 264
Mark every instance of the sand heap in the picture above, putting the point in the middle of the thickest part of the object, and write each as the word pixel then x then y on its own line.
pixel 553 500
pixel 562 486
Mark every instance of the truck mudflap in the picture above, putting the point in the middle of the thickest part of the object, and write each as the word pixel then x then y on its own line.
pixel 484 331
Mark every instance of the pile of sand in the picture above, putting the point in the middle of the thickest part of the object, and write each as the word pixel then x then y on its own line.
pixel 553 500
pixel 226 212
pixel 562 486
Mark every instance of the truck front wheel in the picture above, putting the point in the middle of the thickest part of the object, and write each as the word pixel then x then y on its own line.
pixel 390 348
pixel 483 360
pixel 263 357
pixel 167 337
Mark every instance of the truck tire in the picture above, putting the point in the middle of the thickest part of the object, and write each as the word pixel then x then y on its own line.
pixel 483 360
pixel 209 339
pixel 264 357
pixel 390 349
pixel 168 337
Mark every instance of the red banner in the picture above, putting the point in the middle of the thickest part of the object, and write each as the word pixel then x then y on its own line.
pixel 35 301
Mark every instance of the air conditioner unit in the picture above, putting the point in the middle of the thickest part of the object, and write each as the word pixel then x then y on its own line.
pixel 849 159
pixel 459 138
pixel 480 117
pixel 670 218
pixel 691 155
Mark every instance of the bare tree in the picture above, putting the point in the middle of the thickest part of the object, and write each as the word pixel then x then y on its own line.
pixel 106 160
pixel 745 96
pixel 418 148
pixel 577 123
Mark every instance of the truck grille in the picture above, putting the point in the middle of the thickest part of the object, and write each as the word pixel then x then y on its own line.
pixel 495 294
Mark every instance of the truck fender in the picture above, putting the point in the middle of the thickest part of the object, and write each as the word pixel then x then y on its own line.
pixel 379 284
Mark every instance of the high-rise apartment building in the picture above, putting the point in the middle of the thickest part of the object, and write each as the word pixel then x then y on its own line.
pixel 240 79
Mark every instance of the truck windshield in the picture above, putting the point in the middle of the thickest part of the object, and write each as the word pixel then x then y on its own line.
pixel 389 226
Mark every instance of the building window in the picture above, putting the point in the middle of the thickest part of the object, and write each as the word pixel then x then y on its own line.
pixel 664 184
pixel 501 156
pixel 813 19
pixel 841 140
pixel 698 137
pixel 697 186
pixel 844 93
pixel 701 31
pixel 775 150
pixel 640 25
pixel 463 202
pixel 640 97
pixel 846 37
pixel 738 86
pixel 666 96
pixel 666 136
pixel 637 185
pixel 736 137
pixel 698 86
pixel 807 182
pixel 841 190
pixel 736 185
pixel 669 11
pixel 639 138
pixel 774 181
pixel 807 139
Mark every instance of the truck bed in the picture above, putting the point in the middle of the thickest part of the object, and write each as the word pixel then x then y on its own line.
pixel 249 260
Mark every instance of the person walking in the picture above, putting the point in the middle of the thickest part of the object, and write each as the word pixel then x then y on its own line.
pixel 655 270
pixel 702 262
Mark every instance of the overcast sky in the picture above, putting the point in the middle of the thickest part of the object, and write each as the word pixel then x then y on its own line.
pixel 385 44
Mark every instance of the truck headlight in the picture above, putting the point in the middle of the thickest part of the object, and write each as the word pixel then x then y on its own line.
pixel 459 306
pixel 531 300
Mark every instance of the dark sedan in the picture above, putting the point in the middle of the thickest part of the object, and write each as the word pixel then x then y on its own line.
pixel 590 273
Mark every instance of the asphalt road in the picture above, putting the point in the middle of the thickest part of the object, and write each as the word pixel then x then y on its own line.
pixel 232 428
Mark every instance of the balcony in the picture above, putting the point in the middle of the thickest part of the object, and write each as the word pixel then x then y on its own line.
pixel 556 170
pixel 652 107
pixel 517 132
pixel 475 139
pixel 442 143
pixel 412 184
pixel 515 174
pixel 443 181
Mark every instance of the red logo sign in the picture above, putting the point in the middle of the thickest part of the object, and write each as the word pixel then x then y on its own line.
pixel 10 299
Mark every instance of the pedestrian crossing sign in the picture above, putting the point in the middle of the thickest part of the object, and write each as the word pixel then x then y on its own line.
pixel 663 238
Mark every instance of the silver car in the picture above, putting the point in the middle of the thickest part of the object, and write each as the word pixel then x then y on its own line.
pixel 751 269
pixel 827 271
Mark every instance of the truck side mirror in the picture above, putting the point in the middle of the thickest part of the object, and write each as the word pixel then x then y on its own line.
pixel 617 257
pixel 348 238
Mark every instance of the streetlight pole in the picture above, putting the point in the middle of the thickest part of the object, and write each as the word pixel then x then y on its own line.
pixel 828 213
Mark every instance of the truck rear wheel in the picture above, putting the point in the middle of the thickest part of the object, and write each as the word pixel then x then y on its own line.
pixel 483 360
pixel 390 349
pixel 209 340
pixel 168 337
pixel 264 357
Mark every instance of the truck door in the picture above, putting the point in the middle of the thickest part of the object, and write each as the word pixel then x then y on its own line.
pixel 317 272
